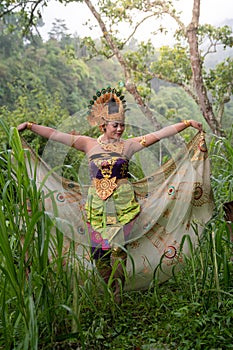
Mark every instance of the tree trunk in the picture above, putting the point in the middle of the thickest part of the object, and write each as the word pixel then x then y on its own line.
pixel 129 85
pixel 196 64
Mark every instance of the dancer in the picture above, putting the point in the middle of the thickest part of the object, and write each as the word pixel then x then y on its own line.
pixel 111 207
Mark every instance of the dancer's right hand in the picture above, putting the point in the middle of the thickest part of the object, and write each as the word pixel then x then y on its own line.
pixel 22 127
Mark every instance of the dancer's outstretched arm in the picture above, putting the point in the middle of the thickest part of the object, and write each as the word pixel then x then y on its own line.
pixel 149 139
pixel 79 142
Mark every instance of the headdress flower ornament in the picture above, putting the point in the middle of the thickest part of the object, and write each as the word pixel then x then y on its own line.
pixel 100 107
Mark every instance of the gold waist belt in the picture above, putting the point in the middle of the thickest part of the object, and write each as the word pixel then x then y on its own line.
pixel 105 187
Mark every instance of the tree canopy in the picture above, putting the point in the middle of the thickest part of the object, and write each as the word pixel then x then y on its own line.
pixel 182 64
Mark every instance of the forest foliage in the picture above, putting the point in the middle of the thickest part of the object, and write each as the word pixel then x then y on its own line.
pixel 183 64
pixel 46 81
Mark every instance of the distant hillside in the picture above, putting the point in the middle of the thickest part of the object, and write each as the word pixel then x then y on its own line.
pixel 213 58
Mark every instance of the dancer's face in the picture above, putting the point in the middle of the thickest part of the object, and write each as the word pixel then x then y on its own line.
pixel 114 129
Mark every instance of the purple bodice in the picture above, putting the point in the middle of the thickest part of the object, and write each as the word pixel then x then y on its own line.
pixel 108 166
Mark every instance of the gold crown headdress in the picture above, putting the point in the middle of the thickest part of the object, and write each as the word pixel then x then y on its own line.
pixel 100 107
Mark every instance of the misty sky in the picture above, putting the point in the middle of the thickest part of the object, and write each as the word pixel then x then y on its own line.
pixel 75 14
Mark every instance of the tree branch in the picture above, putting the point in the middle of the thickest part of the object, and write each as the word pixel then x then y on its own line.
pixel 196 64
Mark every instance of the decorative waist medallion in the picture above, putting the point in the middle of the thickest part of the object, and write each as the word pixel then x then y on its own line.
pixel 105 187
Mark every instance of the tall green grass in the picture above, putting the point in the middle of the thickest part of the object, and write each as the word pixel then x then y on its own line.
pixel 36 290
pixel 46 303
pixel 221 154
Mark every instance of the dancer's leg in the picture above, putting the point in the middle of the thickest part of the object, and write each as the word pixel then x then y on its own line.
pixel 118 261
pixel 103 263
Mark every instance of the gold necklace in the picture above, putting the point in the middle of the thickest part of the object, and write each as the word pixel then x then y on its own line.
pixel 117 146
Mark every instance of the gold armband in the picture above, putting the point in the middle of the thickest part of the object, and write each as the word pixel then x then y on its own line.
pixel 187 122
pixel 29 125
pixel 143 141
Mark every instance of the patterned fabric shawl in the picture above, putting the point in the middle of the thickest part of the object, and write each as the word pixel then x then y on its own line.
pixel 176 203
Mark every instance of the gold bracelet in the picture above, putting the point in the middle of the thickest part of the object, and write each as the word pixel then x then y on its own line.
pixel 143 141
pixel 187 122
pixel 29 125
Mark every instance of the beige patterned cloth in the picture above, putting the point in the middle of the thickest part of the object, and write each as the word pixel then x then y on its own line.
pixel 176 203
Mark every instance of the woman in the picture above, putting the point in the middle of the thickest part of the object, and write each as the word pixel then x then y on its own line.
pixel 111 206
